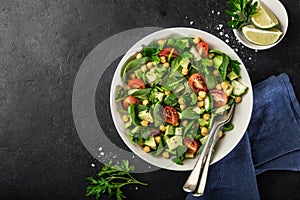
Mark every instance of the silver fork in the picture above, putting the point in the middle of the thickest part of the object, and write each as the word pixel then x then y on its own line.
pixel 205 156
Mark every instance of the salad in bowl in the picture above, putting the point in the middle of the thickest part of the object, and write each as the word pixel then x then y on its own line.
pixel 169 93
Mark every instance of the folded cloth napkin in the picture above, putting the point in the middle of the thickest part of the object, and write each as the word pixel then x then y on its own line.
pixel 271 142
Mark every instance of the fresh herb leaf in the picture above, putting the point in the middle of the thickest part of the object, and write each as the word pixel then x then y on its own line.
pixel 240 11
pixel 111 179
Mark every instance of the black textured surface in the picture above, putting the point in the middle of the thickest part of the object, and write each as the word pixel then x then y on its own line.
pixel 42 45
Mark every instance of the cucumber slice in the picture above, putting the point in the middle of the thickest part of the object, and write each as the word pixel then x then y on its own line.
pixel 208 102
pixel 238 88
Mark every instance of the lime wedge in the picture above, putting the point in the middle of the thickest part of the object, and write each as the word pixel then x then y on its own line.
pixel 260 36
pixel 264 18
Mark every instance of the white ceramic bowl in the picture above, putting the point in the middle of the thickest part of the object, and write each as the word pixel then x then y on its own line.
pixel 280 12
pixel 241 116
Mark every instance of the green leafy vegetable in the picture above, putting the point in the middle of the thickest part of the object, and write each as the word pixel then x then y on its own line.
pixel 111 179
pixel 241 12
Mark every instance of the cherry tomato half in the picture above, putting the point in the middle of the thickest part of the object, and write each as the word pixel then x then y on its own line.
pixel 130 100
pixel 191 144
pixel 170 115
pixel 219 97
pixel 136 83
pixel 197 82
pixel 166 52
pixel 202 48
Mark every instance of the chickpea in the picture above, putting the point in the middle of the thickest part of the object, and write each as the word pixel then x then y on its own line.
pixel 166 65
pixel 211 62
pixel 163 59
pixel 162 127
pixel 218 87
pixel 182 106
pixel 204 131
pixel 157 139
pixel 144 123
pixel 220 134
pixel 145 102
pixel 143 68
pixel 216 72
pixel 199 98
pixel 167 92
pixel 206 116
pixel 211 55
pixel 152 70
pixel 238 99
pixel 196 40
pixel 185 71
pixel 146 149
pixel 184 123
pixel 202 94
pixel 138 56
pixel 200 104
pixel 125 118
pixel 149 65
pixel 161 42
pixel 181 101
pixel 224 85
pixel 165 154
pixel 132 76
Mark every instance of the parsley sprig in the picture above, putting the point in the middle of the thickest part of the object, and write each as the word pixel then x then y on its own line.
pixel 241 11
pixel 110 180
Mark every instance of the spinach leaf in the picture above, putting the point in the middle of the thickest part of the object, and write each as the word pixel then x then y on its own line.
pixel 180 151
pixel 171 100
pixel 133 115
pixel 120 93
pixel 133 65
pixel 189 113
pixel 140 93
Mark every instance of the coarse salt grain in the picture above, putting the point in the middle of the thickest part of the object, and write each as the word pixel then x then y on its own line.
pixel 100 149
pixel 93 165
pixel 191 22
pixel 102 153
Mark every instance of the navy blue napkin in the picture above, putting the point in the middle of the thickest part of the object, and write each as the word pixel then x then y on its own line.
pixel 271 142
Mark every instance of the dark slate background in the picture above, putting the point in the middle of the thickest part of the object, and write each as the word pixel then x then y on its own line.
pixel 42 45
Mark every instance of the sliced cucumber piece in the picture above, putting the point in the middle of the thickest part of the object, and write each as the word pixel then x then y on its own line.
pixel 238 88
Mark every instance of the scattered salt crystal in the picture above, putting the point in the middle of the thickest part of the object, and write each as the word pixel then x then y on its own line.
pixel 218 13
pixel 186 17
pixel 100 149
pixel 136 188
pixel 236 50
pixel 191 22
pixel 132 156
pixel 93 165
pixel 149 166
pixel 221 33
pixel 250 58
pixel 226 35
pixel 226 40
pixel 102 153
pixel 256 50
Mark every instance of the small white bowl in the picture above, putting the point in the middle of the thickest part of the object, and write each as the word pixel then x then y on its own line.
pixel 280 12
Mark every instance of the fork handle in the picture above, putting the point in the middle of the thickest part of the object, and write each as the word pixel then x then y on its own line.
pixel 192 181
pixel 201 188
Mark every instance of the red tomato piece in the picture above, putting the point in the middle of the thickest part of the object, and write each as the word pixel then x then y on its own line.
pixel 166 52
pixel 191 144
pixel 219 97
pixel 202 48
pixel 130 100
pixel 136 83
pixel 197 82
pixel 170 115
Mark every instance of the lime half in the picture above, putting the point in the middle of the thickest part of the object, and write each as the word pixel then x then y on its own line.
pixel 264 18
pixel 260 36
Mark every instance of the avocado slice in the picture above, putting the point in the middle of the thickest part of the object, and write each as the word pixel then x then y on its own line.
pixel 150 142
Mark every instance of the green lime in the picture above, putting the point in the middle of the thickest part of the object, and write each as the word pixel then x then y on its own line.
pixel 261 36
pixel 264 18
